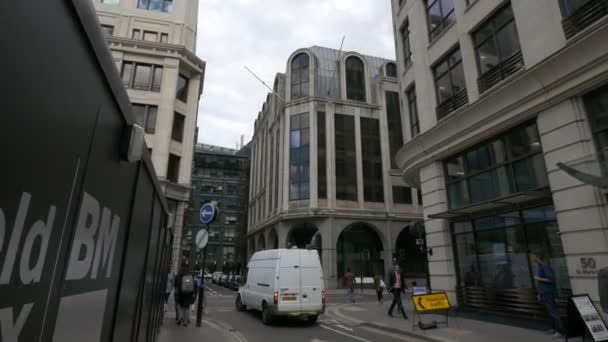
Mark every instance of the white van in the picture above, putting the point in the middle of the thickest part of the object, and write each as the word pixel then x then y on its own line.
pixel 284 282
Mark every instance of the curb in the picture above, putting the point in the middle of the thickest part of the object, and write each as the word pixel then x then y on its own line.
pixel 338 312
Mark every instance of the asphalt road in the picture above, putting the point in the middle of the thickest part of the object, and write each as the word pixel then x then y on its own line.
pixel 247 326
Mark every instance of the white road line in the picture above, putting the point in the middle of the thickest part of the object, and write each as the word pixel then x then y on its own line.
pixel 343 327
pixel 343 333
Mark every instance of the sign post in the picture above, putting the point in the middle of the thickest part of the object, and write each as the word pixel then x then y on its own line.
pixel 208 214
pixel 426 303
pixel 583 317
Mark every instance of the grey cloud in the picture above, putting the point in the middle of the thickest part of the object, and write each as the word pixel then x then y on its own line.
pixel 261 34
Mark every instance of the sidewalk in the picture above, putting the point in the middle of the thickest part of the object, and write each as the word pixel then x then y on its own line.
pixel 459 329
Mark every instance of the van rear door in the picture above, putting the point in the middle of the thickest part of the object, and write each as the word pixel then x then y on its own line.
pixel 289 281
pixel 311 281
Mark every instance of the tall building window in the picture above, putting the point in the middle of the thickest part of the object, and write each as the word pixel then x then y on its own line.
pixel 150 36
pixel 395 130
pixel 498 51
pixel 136 34
pixel 156 5
pixel 371 156
pixel 413 109
pixel 440 15
pixel 300 76
pixel 145 116
pixel 164 38
pixel 182 88
pixel 510 163
pixel 596 105
pixel 402 195
pixel 322 156
pixel 580 14
pixel 142 76
pixel 407 47
pixel 173 168
pixel 450 84
pixel 177 133
pixel 355 79
pixel 391 70
pixel 299 157
pixel 346 158
pixel 108 30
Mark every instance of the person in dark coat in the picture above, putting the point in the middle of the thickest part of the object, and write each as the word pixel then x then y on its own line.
pixel 184 300
pixel 396 286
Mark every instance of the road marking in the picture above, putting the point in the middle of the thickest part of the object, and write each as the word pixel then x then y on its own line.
pixel 343 327
pixel 343 333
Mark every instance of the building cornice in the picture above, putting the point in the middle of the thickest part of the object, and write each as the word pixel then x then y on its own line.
pixel 351 214
pixel 156 49
pixel 575 69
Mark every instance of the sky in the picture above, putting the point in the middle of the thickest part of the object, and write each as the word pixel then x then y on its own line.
pixel 262 34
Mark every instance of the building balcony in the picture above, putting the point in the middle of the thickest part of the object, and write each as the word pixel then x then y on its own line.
pixel 456 101
pixel 500 72
pixel 584 16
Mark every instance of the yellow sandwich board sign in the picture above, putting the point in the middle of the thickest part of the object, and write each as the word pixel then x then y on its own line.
pixel 431 302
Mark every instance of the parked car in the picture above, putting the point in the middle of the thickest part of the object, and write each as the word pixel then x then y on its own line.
pixel 208 276
pixel 284 282
pixel 223 279
pixel 216 277
pixel 236 282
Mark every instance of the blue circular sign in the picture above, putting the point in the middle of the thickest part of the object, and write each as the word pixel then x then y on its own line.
pixel 208 213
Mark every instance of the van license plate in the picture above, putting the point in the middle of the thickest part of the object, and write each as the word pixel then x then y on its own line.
pixel 289 298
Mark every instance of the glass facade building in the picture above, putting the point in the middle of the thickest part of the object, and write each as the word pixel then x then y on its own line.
pixel 220 176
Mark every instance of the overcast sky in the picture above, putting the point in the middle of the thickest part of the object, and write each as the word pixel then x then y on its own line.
pixel 261 34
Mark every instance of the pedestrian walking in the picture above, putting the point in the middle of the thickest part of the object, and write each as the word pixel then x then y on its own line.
pixel 396 286
pixel 349 284
pixel 185 288
pixel 547 291
pixel 379 286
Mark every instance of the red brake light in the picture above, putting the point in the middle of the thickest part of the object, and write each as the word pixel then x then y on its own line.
pixel 323 296
pixel 276 297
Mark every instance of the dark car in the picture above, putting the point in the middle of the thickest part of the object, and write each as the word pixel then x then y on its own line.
pixel 228 282
pixel 222 280
pixel 236 282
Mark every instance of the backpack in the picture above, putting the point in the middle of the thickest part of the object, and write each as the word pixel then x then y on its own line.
pixel 187 285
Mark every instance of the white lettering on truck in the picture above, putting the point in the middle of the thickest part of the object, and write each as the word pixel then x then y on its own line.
pixel 95 252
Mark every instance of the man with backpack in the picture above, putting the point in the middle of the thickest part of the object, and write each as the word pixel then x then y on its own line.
pixel 185 289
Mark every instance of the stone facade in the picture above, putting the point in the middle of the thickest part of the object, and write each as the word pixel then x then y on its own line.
pixel 558 69
pixel 276 213
pixel 162 37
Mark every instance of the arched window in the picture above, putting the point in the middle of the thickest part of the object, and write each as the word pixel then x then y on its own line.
pixel 300 78
pixel 391 70
pixel 355 79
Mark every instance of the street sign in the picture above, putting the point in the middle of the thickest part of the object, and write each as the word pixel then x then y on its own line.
pixel 419 290
pixel 431 302
pixel 585 316
pixel 208 213
pixel 202 238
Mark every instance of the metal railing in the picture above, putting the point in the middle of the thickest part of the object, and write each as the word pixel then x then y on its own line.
pixel 458 100
pixel 584 16
pixel 501 71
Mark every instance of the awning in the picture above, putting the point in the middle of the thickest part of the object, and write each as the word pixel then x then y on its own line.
pixel 512 201
pixel 591 169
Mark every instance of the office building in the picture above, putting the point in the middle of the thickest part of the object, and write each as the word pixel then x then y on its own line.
pixel 504 104
pixel 220 176
pixel 321 170
pixel 153 43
